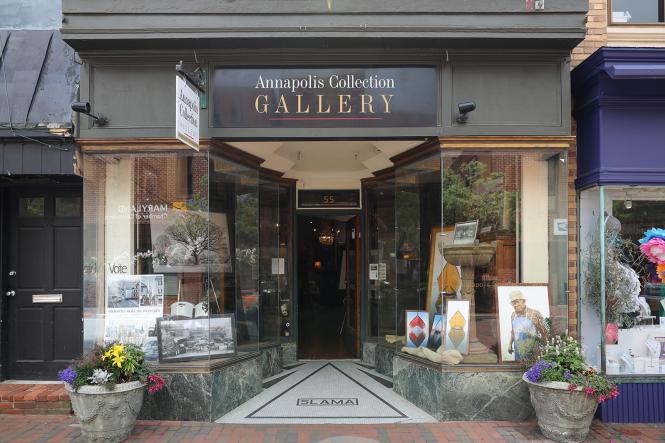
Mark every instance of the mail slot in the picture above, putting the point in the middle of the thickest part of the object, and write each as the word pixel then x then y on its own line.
pixel 47 298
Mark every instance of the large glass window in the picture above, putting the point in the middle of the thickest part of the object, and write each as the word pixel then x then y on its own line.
pixel 623 278
pixel 171 254
pixel 638 11
pixel 481 246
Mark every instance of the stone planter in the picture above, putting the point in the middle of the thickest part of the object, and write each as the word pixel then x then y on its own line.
pixel 107 415
pixel 563 415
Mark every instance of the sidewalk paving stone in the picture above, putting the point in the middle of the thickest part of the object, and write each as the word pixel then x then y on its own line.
pixel 40 428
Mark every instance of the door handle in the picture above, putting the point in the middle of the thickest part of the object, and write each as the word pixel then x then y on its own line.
pixel 10 293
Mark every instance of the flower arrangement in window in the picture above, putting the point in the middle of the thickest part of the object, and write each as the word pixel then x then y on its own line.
pixel 652 246
pixel 111 365
pixel 563 361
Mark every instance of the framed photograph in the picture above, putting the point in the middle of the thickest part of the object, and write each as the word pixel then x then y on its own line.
pixel 457 326
pixel 522 311
pixel 443 279
pixel 465 232
pixel 417 328
pixel 196 339
pixel 436 331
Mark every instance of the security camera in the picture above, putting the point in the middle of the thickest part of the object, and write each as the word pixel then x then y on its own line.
pixel 84 108
pixel 464 108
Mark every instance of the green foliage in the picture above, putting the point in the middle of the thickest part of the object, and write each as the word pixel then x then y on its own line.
pixel 471 193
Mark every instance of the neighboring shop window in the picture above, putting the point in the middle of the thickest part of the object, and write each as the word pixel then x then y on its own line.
pixel 481 256
pixel 638 11
pixel 632 266
pixel 160 269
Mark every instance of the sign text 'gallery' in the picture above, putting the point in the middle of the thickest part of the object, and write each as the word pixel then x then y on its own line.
pixel 404 96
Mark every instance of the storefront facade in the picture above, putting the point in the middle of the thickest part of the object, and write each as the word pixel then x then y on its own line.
pixel 619 109
pixel 353 119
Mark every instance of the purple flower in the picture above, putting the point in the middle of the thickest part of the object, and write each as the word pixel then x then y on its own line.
pixel 566 375
pixel 67 375
pixel 535 373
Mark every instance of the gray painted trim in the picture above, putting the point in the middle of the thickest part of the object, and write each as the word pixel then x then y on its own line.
pixel 300 7
pixel 19 156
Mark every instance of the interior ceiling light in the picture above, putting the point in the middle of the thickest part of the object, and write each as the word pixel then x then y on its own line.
pixel 326 238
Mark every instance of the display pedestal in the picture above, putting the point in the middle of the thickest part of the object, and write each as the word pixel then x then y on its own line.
pixel 468 257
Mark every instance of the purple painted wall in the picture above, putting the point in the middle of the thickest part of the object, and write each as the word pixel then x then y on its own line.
pixel 620 111
pixel 636 403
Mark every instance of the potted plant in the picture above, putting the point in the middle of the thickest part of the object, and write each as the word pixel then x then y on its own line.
pixel 106 387
pixel 565 392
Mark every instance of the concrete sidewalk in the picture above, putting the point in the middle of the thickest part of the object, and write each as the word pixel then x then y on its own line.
pixel 36 428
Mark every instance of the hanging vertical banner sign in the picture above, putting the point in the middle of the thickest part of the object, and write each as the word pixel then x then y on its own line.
pixel 187 109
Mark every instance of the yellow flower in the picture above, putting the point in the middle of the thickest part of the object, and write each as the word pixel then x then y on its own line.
pixel 118 359
pixel 106 355
pixel 118 349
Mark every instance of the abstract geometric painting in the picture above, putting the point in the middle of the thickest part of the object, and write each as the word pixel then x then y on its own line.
pixel 417 328
pixel 457 326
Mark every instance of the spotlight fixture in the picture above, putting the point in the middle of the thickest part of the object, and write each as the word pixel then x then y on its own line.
pixel 84 108
pixel 627 202
pixel 464 108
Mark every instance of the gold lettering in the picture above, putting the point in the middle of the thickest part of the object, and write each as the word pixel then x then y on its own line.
pixel 321 111
pixel 282 105
pixel 387 102
pixel 300 110
pixel 261 104
pixel 344 107
pixel 369 98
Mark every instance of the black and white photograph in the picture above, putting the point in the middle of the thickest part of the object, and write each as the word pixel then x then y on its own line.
pixel 465 232
pixel 151 292
pixel 122 291
pixel 196 339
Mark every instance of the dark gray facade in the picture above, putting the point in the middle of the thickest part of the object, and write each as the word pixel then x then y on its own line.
pixel 513 63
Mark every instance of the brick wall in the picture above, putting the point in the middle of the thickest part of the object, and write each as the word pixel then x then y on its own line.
pixel 596 32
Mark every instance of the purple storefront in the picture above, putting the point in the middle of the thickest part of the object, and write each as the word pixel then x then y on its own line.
pixel 619 96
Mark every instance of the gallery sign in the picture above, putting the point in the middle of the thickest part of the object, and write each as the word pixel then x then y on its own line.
pixel 345 97
pixel 187 110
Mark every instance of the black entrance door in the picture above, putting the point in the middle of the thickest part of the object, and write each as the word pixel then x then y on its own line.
pixel 43 275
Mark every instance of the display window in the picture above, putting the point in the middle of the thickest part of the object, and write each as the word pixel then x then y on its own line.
pixel 477 258
pixel 172 262
pixel 622 270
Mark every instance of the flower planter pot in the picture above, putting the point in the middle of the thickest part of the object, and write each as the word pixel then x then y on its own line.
pixel 563 415
pixel 107 415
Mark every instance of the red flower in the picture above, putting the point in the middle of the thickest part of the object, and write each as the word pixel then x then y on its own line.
pixel 589 390
pixel 572 387
pixel 601 398
pixel 155 382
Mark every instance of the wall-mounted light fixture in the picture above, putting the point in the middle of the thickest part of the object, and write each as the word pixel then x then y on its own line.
pixel 464 108
pixel 84 108
pixel 627 202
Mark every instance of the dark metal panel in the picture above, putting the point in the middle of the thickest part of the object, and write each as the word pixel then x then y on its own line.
pixel 12 153
pixel 51 160
pixel 32 160
pixel 54 157
pixel 58 85
pixel 42 77
pixel 23 59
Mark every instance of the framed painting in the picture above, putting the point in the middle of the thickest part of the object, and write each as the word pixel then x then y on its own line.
pixel 522 309
pixel 465 232
pixel 417 328
pixel 457 326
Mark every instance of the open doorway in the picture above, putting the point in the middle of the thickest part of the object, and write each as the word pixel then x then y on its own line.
pixel 328 292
